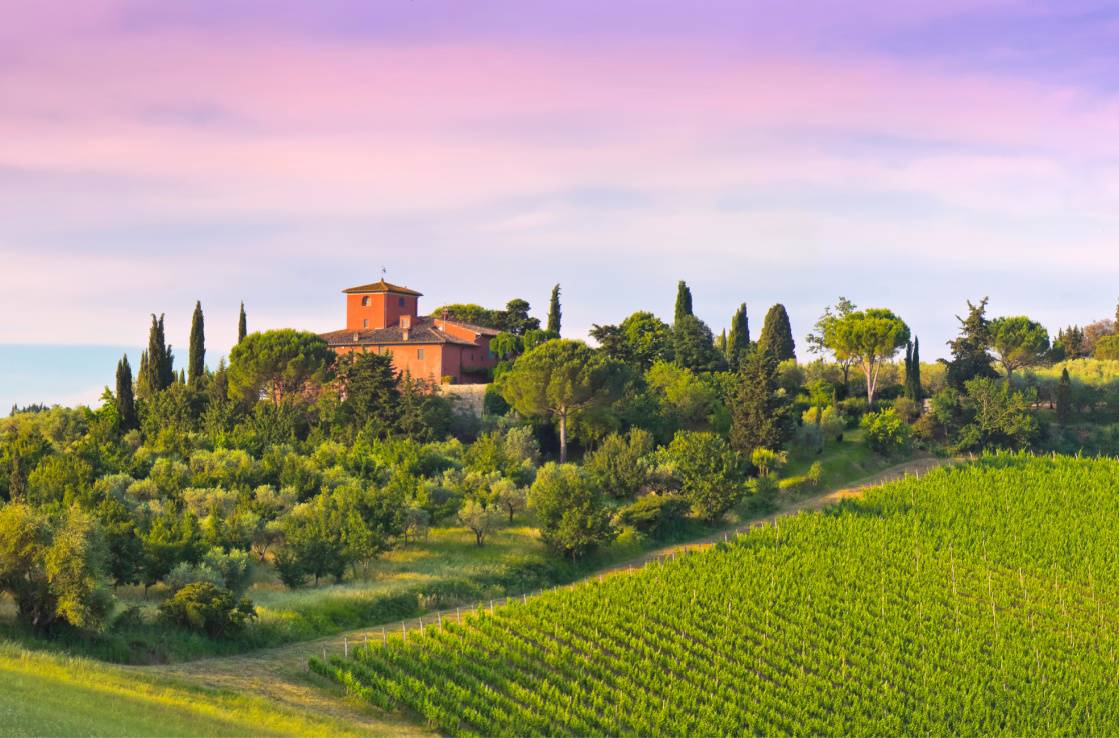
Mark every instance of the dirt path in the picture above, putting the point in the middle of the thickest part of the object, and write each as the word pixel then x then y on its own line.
pixel 281 673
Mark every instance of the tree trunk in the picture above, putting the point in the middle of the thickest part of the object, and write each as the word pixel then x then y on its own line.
pixel 563 436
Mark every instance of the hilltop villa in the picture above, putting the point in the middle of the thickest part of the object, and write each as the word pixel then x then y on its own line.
pixel 385 318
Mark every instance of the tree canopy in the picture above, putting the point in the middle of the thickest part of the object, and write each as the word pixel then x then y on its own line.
pixel 1019 341
pixel 276 364
pixel 868 337
pixel 558 379
pixel 777 334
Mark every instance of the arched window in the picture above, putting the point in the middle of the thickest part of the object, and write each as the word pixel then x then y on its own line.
pixel 365 301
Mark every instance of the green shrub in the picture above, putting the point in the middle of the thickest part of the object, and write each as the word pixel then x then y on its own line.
pixel 886 432
pixel 207 608
pixel 658 516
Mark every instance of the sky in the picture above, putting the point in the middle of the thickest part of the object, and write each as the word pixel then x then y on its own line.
pixel 910 155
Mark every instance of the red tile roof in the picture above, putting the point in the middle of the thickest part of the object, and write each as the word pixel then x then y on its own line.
pixel 382 286
pixel 424 330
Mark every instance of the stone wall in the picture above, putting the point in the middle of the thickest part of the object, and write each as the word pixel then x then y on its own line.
pixel 468 398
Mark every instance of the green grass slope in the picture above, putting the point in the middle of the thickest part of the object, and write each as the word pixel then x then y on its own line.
pixel 976 601
pixel 41 695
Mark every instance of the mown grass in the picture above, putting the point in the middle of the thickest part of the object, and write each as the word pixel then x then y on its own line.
pixel 44 695
pixel 841 462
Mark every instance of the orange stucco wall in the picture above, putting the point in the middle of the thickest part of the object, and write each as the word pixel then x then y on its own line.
pixel 383 310
pixel 426 365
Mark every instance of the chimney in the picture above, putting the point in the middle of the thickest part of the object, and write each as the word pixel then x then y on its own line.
pixel 405 326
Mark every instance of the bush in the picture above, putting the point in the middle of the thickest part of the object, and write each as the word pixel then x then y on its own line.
pixel 618 465
pixel 815 475
pixel 852 408
pixel 908 409
pixel 706 470
pixel 573 519
pixel 658 516
pixel 886 432
pixel 207 608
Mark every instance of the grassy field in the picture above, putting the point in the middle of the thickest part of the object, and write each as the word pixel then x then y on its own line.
pixel 43 695
pixel 976 601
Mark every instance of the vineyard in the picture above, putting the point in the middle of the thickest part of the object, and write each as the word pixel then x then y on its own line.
pixel 977 600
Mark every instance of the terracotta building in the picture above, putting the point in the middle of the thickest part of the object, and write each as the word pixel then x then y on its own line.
pixel 385 318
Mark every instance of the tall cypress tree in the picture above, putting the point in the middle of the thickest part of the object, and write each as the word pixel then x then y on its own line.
pixel 554 312
pixel 126 402
pixel 912 385
pixel 738 342
pixel 160 372
pixel 777 334
pixel 683 301
pixel 196 364
pixel 242 324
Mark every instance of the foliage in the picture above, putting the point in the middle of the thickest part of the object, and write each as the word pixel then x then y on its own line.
pixel 777 334
pixel 573 519
pixel 1107 348
pixel 554 312
pixel 683 303
pixel 618 466
pixel 196 361
pixel 276 364
pixel 693 346
pixel 886 431
pixel 970 357
pixel 658 516
pixel 125 398
pixel 767 461
pixel 868 337
pixel 206 607
pixel 706 470
pixel 479 518
pixel 642 339
pixel 558 380
pixel 1019 342
pixel 52 568
pixel 738 340
pixel 760 412
pixel 999 417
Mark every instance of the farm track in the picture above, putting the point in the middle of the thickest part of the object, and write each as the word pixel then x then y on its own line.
pixel 280 674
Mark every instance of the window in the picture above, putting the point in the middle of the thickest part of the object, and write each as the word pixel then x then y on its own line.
pixel 365 301
pixel 400 301
pixel 365 322
pixel 419 353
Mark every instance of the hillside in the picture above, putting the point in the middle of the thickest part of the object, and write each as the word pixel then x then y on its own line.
pixel 974 601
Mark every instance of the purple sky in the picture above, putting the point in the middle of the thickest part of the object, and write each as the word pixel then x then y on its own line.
pixel 904 154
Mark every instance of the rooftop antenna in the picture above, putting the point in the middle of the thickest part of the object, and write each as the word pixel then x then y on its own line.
pixel 383 271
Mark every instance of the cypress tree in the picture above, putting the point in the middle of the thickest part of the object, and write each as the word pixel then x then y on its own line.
pixel 242 324
pixel 1064 398
pixel 196 364
pixel 159 367
pixel 738 342
pixel 777 334
pixel 760 414
pixel 126 402
pixel 912 384
pixel 554 312
pixel 683 301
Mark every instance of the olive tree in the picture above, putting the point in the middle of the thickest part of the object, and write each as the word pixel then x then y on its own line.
pixel 868 337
